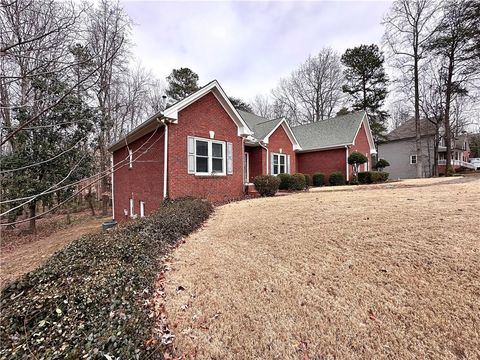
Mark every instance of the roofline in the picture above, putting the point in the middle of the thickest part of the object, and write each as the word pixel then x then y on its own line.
pixel 288 130
pixel 172 111
pixel 171 114
pixel 141 130
pixel 331 147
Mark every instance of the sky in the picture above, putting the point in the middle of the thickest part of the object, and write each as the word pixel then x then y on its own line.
pixel 247 46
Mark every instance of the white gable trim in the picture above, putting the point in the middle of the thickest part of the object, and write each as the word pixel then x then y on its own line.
pixel 288 131
pixel 371 143
pixel 216 89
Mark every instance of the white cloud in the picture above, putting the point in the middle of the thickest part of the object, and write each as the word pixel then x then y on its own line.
pixel 247 46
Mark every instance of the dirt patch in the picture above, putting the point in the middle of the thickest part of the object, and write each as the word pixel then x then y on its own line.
pixel 28 255
pixel 389 273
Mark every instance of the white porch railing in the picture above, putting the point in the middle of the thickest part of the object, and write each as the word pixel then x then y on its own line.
pixel 458 163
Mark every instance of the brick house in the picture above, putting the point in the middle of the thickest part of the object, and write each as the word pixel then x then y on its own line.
pixel 203 147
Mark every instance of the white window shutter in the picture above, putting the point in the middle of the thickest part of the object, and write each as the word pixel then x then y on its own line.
pixel 229 158
pixel 288 164
pixel 191 154
pixel 271 164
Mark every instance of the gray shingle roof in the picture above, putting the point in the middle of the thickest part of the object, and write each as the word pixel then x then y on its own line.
pixel 407 130
pixel 260 126
pixel 332 132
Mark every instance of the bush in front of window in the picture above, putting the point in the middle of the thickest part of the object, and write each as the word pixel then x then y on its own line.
pixel 318 179
pixel 299 182
pixel 372 177
pixel 266 185
pixel 336 178
pixel 285 181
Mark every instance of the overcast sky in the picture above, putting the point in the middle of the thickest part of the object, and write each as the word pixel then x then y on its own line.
pixel 247 46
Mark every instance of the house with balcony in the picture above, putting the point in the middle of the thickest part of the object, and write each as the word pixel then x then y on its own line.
pixel 399 149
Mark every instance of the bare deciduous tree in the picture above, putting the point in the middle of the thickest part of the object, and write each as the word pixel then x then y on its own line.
pixel 312 92
pixel 409 26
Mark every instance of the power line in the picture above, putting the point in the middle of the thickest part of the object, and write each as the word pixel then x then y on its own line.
pixel 111 171
pixel 44 161
pixel 79 181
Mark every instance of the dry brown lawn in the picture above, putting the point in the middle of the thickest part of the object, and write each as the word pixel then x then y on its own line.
pixel 18 259
pixel 379 272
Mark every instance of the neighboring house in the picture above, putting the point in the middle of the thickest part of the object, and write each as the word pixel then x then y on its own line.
pixel 399 150
pixel 202 146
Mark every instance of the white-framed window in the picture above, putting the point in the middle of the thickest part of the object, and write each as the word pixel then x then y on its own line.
pixel 130 158
pixel 279 164
pixel 413 159
pixel 207 157
pixel 142 208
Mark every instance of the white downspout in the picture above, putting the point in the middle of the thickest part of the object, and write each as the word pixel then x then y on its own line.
pixel 266 148
pixel 346 162
pixel 165 162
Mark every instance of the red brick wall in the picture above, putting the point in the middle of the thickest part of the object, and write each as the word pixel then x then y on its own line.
pixel 326 162
pixel 361 145
pixel 279 140
pixel 258 161
pixel 197 120
pixel 144 181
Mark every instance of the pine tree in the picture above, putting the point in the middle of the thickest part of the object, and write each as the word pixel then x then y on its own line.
pixel 367 84
pixel 181 83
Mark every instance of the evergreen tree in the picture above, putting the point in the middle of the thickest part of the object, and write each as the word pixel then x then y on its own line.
pixel 53 153
pixel 181 83
pixel 239 104
pixel 367 84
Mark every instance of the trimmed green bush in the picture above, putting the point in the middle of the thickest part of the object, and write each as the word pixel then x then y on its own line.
pixel 286 181
pixel 372 177
pixel 266 185
pixel 90 300
pixel 308 180
pixel 299 182
pixel 336 178
pixel 381 164
pixel 318 179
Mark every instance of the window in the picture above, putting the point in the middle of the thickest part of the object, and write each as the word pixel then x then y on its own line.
pixel 130 158
pixel 413 159
pixel 279 164
pixel 142 209
pixel 209 157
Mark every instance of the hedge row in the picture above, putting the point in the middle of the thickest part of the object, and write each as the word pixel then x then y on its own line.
pixel 88 300
pixel 372 177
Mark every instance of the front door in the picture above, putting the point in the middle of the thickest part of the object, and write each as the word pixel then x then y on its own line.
pixel 246 165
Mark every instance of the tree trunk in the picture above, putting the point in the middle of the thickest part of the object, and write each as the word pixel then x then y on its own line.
pixel 32 212
pixel 448 130
pixel 90 200
pixel 418 139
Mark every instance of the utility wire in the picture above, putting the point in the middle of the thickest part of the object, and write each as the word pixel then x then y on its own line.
pixel 111 171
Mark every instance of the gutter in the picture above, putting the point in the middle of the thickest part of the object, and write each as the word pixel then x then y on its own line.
pixel 165 161
pixel 346 163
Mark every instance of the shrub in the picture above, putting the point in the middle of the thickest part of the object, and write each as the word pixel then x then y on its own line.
pixel 266 185
pixel 372 177
pixel 308 180
pixel 286 181
pixel 90 299
pixel 299 182
pixel 318 179
pixel 336 178
pixel 381 164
